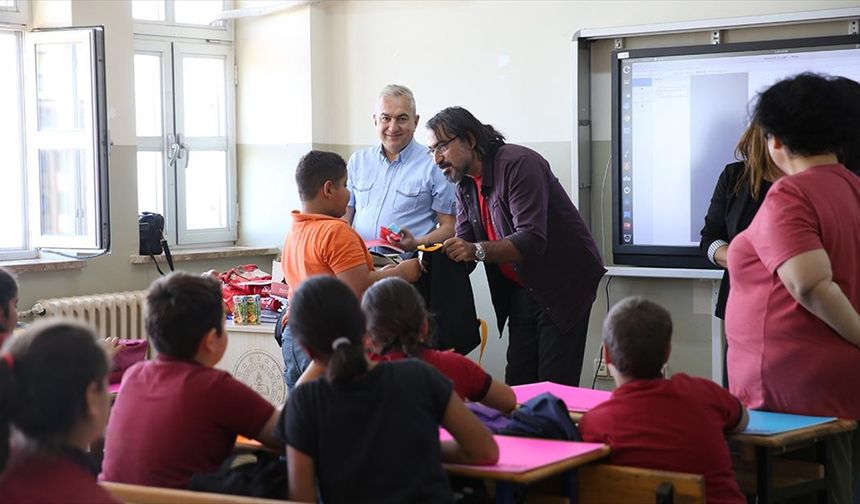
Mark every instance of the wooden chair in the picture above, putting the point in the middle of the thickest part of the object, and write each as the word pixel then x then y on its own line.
pixel 139 494
pixel 604 483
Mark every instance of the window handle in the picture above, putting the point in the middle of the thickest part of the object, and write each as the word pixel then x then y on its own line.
pixel 173 149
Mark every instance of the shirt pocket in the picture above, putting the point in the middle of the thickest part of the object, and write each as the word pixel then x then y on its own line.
pixel 361 190
pixel 410 198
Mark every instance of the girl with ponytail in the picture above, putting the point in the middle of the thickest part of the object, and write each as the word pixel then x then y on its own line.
pixel 367 431
pixel 398 325
pixel 53 404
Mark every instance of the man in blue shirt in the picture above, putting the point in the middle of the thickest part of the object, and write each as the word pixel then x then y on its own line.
pixel 396 182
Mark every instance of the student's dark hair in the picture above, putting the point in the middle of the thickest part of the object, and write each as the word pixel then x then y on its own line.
pixel 637 333
pixel 810 113
pixel 44 375
pixel 395 313
pixel 180 309
pixel 849 153
pixel 315 169
pixel 457 122
pixel 8 290
pixel 326 318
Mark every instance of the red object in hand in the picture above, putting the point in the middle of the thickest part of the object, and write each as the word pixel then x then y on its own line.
pixel 389 235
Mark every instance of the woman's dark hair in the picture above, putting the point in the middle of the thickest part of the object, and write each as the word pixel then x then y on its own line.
pixel 325 317
pixel 811 114
pixel 395 314
pixel 637 333
pixel 44 375
pixel 180 309
pixel 849 153
pixel 8 290
pixel 457 122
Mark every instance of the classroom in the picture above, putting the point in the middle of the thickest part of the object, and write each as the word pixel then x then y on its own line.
pixel 246 88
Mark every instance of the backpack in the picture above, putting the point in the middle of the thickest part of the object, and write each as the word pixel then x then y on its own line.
pixel 256 474
pixel 544 416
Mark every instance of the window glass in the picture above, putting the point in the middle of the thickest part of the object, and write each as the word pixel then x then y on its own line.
pixel 11 147
pixel 150 182
pixel 147 94
pixel 205 107
pixel 58 79
pixel 61 179
pixel 147 10
pixel 206 190
pixel 199 12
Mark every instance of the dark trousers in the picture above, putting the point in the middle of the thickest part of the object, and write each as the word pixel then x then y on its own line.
pixel 537 349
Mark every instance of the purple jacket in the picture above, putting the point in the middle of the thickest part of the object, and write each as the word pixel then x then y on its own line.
pixel 561 266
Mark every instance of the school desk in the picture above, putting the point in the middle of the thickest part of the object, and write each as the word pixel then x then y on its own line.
pixel 773 478
pixel 577 399
pixel 523 461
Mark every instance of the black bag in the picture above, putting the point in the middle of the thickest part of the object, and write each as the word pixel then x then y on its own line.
pixel 152 242
pixel 256 474
pixel 544 416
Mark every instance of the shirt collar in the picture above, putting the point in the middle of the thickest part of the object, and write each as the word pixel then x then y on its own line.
pixel 405 155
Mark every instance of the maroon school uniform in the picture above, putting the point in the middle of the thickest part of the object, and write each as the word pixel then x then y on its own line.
pixel 174 418
pixel 470 381
pixel 51 478
pixel 677 424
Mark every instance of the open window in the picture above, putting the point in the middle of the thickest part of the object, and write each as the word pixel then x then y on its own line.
pixel 53 135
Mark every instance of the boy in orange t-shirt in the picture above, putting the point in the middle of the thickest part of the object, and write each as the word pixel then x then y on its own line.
pixel 321 243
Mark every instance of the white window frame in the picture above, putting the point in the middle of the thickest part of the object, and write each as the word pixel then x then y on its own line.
pixel 170 28
pixel 17 15
pixel 92 139
pixel 171 51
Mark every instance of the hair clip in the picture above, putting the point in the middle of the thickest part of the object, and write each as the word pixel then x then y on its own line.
pixel 338 342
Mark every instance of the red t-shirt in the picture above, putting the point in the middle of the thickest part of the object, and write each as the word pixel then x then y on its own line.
pixel 487 220
pixel 470 381
pixel 672 425
pixel 173 418
pixel 781 356
pixel 37 477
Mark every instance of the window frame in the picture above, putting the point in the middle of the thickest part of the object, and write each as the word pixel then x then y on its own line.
pixel 18 15
pixel 171 51
pixel 171 29
pixel 96 139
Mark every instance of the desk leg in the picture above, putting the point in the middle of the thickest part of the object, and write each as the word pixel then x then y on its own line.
pixel 822 448
pixel 571 486
pixel 505 492
pixel 764 474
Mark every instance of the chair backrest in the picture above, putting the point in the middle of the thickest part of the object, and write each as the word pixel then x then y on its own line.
pixel 604 483
pixel 139 494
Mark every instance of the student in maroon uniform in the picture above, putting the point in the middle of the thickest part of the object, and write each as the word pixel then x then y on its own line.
pixel 176 415
pixel 53 391
pixel 398 326
pixel 676 424
pixel 8 304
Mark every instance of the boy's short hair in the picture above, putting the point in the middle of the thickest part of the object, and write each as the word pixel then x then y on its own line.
pixel 314 169
pixel 180 309
pixel 637 333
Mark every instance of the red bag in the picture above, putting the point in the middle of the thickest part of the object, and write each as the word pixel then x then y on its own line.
pixel 130 351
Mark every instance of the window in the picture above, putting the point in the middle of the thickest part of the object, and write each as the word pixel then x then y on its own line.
pixel 184 101
pixel 53 136
pixel 182 18
pixel 13 11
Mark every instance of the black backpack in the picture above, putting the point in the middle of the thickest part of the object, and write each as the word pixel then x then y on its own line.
pixel 152 242
pixel 256 474
pixel 544 416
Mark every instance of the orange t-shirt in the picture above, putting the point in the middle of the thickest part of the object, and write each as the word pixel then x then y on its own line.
pixel 321 245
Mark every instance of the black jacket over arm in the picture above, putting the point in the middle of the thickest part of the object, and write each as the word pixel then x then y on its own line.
pixel 730 213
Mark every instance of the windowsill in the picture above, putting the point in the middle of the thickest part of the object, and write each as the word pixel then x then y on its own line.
pixel 207 253
pixel 43 264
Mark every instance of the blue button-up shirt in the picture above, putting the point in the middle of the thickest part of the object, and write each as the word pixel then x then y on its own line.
pixel 408 191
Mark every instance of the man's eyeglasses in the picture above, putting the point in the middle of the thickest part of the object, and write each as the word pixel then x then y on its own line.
pixel 441 147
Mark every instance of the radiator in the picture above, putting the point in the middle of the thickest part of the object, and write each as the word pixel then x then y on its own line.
pixel 118 314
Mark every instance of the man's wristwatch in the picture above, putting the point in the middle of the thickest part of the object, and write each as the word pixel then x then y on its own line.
pixel 480 253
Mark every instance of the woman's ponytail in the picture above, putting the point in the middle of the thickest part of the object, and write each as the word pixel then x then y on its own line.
pixel 347 361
